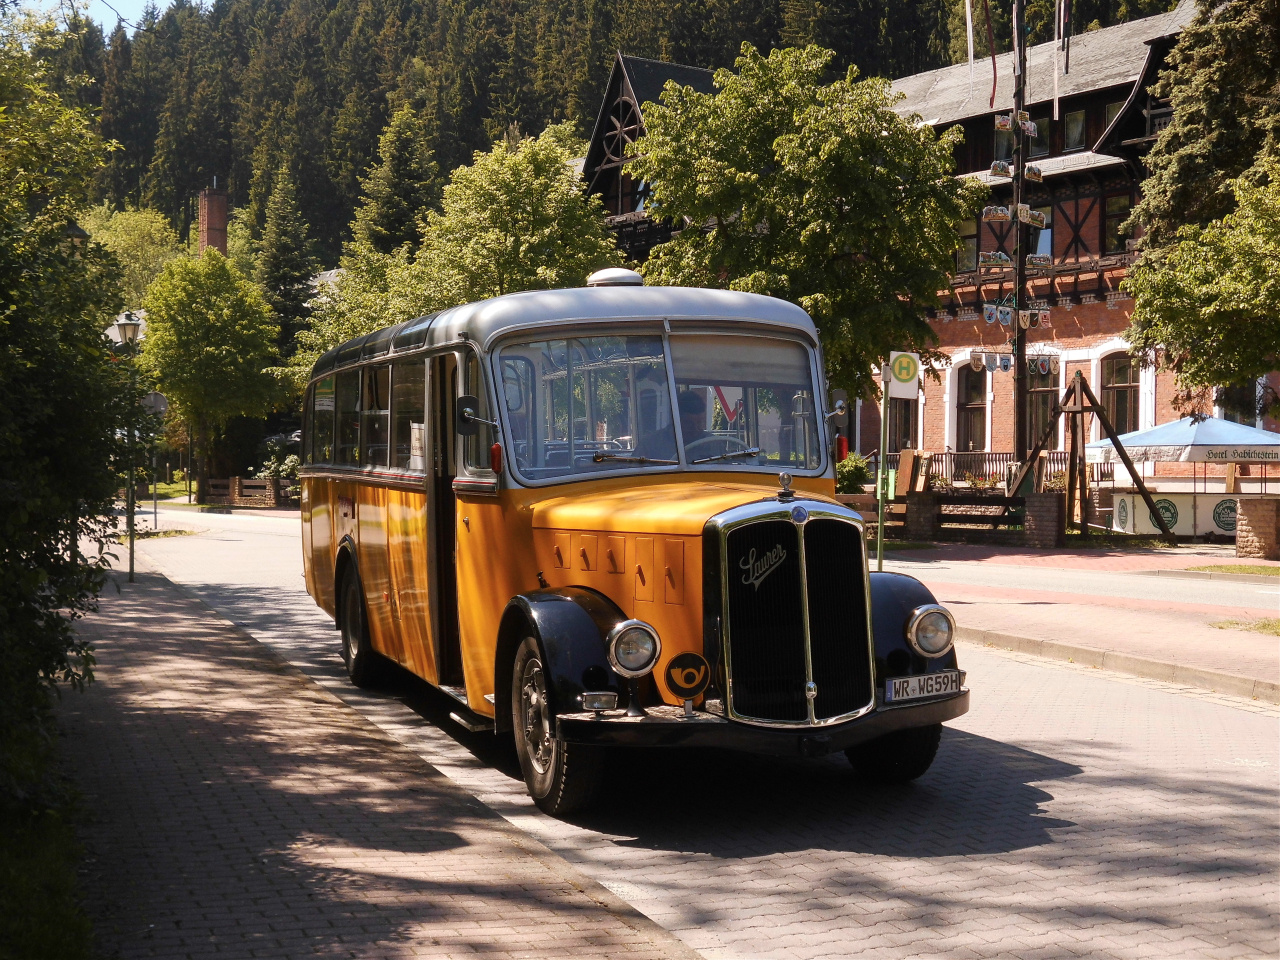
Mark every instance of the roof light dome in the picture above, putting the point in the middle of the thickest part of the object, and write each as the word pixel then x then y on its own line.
pixel 615 277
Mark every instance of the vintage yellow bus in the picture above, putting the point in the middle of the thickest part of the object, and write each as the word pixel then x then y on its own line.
pixel 604 517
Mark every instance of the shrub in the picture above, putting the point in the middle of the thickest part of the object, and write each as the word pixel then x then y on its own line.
pixel 852 474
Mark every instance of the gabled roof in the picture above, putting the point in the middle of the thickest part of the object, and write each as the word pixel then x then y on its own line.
pixel 1110 57
pixel 648 77
pixel 639 80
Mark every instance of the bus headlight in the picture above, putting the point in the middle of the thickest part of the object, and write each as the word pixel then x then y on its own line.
pixel 633 647
pixel 931 630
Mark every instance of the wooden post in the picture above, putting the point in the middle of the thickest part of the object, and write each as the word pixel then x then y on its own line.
pixel 1128 464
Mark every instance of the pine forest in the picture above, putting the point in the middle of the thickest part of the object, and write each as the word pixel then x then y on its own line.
pixel 266 96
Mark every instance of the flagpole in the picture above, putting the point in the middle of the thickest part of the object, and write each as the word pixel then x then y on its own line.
pixel 1020 298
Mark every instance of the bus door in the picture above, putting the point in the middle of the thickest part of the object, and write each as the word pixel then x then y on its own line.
pixel 444 530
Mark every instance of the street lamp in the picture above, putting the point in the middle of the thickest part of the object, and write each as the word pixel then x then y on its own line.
pixel 127 327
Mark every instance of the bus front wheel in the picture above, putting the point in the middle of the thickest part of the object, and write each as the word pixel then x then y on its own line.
pixel 357 652
pixel 561 777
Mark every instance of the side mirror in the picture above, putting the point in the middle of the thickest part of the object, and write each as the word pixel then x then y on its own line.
pixel 466 422
pixel 839 410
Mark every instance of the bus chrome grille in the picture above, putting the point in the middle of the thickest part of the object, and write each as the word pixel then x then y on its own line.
pixel 795 614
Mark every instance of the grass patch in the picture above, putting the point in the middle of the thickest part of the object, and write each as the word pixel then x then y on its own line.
pixel 893 546
pixel 1245 568
pixel 1269 625
pixel 1106 541
pixel 40 912
pixel 155 534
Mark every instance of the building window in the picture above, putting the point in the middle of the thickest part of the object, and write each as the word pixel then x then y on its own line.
pixel 902 424
pixel 1042 240
pixel 1073 130
pixel 1038 146
pixel 1116 235
pixel 1113 111
pixel 967 252
pixel 1042 401
pixel 971 409
pixel 1003 144
pixel 1238 403
pixel 1120 392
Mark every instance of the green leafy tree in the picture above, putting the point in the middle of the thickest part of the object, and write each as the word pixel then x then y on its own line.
pixel 65 403
pixel 1217 153
pixel 516 219
pixel 814 192
pixel 1223 81
pixel 1210 301
pixel 285 260
pixel 142 240
pixel 399 190
pixel 210 337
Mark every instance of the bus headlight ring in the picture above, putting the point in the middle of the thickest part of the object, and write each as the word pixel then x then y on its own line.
pixel 633 648
pixel 931 629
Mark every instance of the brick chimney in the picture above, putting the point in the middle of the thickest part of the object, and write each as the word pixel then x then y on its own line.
pixel 213 219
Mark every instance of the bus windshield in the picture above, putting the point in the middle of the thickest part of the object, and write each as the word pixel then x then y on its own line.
pixel 582 405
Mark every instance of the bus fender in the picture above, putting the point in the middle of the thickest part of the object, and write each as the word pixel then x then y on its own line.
pixel 570 625
pixel 893 597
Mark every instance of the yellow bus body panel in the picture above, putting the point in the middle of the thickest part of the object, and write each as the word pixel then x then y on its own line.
pixel 637 540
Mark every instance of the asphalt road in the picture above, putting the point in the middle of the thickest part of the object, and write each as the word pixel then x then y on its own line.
pixel 1070 813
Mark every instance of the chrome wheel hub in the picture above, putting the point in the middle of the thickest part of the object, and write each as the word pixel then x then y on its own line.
pixel 535 717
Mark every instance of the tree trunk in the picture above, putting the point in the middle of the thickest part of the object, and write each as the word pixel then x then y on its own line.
pixel 202 462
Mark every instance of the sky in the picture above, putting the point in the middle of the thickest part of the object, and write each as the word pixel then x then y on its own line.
pixel 99 10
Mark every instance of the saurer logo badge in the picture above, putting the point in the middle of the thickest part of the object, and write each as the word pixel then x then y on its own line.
pixel 759 567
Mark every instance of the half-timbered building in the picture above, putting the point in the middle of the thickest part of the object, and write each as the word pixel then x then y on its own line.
pixel 1094 126
pixel 633 82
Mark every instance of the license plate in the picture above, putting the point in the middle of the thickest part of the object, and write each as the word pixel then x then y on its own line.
pixel 927 685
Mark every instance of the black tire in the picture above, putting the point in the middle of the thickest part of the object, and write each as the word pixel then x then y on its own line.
pixel 357 652
pixel 561 777
pixel 897 757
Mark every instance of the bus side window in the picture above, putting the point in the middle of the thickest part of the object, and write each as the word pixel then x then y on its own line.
pixel 375 412
pixel 409 414
pixel 347 410
pixel 320 424
pixel 476 448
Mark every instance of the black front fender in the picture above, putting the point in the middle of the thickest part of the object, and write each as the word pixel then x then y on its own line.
pixel 570 625
pixel 893 597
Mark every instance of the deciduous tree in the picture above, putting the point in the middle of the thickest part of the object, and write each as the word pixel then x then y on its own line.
pixel 142 240
pixel 210 337
pixel 810 191
pixel 63 401
pixel 1210 301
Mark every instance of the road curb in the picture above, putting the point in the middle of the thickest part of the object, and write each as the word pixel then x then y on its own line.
pixel 1248 687
pixel 1209 575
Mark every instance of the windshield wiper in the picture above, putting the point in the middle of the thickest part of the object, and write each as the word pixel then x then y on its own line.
pixel 749 452
pixel 623 458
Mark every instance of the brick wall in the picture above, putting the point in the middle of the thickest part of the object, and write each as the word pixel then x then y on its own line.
pixel 1046 520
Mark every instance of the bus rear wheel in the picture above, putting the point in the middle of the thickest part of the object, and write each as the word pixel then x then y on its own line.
pixel 357 651
pixel 561 777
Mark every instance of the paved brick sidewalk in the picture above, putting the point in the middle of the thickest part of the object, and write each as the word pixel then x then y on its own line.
pixel 1080 558
pixel 240 810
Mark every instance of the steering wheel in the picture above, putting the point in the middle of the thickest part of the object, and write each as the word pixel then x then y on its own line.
pixel 723 441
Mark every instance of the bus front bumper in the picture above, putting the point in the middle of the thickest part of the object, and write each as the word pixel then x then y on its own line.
pixel 668 727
